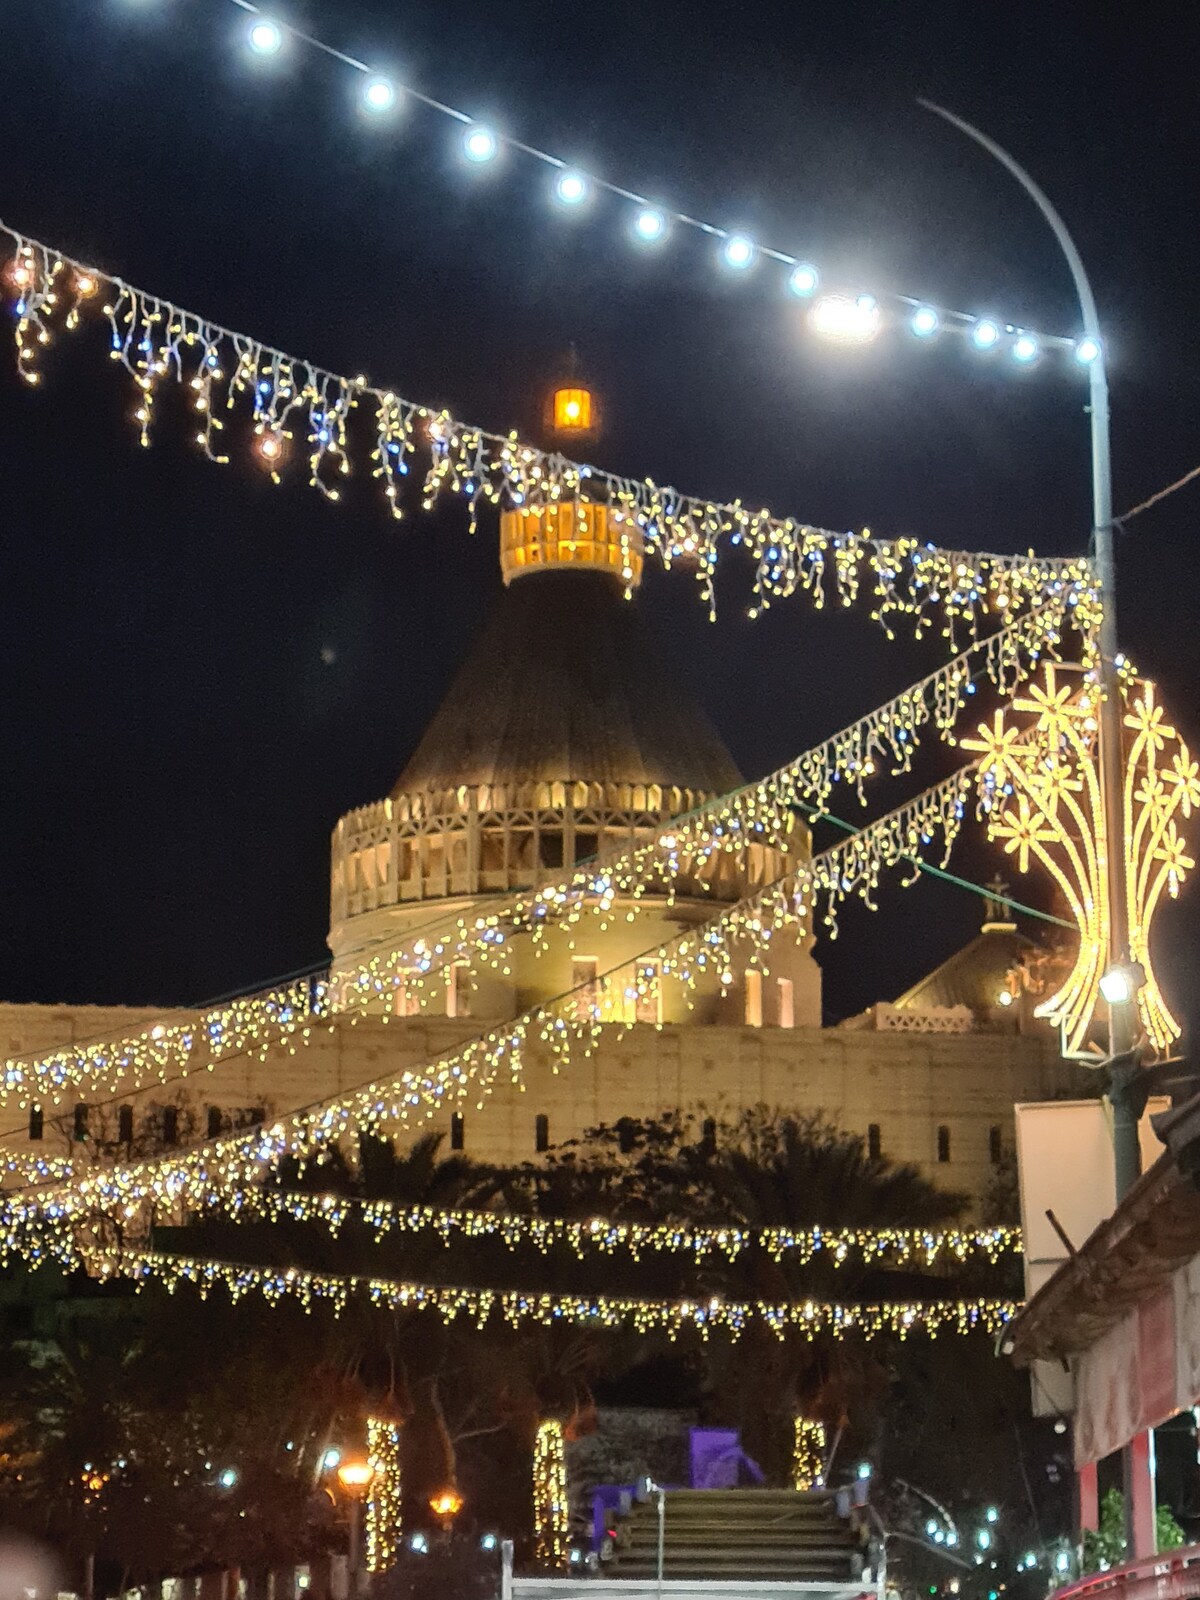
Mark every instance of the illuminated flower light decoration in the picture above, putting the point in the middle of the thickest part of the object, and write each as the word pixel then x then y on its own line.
pixel 1043 801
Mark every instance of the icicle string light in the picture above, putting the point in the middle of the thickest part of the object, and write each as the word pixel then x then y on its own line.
pixel 568 1024
pixel 895 1247
pixel 704 1314
pixel 295 409
pixel 169 1048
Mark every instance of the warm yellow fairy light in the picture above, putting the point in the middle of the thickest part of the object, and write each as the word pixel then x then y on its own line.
pixel 701 1314
pixel 383 1522
pixel 1040 785
pixel 884 742
pixel 895 1247
pixel 551 1507
pixel 170 1183
pixel 808 1454
pixel 159 343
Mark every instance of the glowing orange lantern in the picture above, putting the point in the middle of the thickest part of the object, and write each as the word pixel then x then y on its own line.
pixel 446 1503
pixel 572 410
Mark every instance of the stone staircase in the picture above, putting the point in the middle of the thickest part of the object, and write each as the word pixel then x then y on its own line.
pixel 768 1535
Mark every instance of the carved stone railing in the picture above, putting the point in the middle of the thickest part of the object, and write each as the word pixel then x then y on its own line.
pixel 494 839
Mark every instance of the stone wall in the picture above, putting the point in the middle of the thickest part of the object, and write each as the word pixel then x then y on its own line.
pixel 904 1086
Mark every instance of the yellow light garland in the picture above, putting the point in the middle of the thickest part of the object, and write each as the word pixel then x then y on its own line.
pixel 170 1047
pixel 898 1247
pixel 170 1182
pixel 551 1506
pixel 383 1523
pixel 285 399
pixel 702 1314
pixel 808 1454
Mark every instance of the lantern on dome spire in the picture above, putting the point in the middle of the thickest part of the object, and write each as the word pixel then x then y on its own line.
pixel 572 532
pixel 572 409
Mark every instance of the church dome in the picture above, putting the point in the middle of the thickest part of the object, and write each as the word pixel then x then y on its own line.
pixel 564 735
pixel 564 685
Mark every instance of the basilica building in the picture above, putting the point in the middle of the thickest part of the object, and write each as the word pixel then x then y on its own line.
pixel 561 737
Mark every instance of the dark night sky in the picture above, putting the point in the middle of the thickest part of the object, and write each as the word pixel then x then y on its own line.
pixel 176 747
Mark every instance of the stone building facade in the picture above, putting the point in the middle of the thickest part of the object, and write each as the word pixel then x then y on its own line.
pixel 564 735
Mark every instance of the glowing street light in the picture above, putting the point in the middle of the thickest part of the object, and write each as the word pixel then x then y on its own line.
pixel 355 1475
pixel 845 318
pixel 1120 984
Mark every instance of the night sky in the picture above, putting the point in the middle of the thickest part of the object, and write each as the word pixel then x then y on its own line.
pixel 201 672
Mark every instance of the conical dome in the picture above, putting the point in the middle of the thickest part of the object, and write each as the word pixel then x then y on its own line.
pixel 564 685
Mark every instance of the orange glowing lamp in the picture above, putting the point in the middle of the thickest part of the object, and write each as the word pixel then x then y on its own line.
pixel 355 1476
pixel 573 411
pixel 446 1503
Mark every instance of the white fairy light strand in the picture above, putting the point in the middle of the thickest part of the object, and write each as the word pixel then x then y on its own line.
pixel 702 1314
pixel 651 220
pixel 897 1247
pixel 291 404
pixel 167 1049
pixel 565 1024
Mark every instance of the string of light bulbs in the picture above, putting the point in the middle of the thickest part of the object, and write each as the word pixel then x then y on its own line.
pixel 569 1024
pixel 897 1247
pixel 704 1314
pixel 849 315
pixel 167 1048
pixel 294 407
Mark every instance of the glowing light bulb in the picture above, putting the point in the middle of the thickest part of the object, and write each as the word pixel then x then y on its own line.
pixel 1004 998
pixel 925 322
pixel 739 251
pixel 649 225
pixel 266 37
pixel 1087 350
pixel 480 144
pixel 852 321
pixel 270 447
pixel 804 280
pixel 985 334
pixel 379 95
pixel 86 284
pixel 571 188
pixel 1027 348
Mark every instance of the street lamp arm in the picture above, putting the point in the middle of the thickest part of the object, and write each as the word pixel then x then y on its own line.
pixel 1122 1018
pixel 1083 287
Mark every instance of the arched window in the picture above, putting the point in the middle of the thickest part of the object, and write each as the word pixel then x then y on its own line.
pixel 874 1142
pixel 170 1125
pixel 214 1121
pixel 36 1122
pixel 81 1122
pixel 943 1143
pixel 541 1132
pixel 125 1125
pixel 457 1130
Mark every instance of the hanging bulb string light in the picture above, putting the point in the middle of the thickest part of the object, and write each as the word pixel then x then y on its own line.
pixel 704 1314
pixel 650 222
pixel 895 1247
pixel 295 407
pixel 167 1049
pixel 571 1023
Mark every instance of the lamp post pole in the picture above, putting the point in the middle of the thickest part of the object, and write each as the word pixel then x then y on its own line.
pixel 1122 1063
